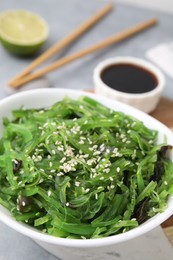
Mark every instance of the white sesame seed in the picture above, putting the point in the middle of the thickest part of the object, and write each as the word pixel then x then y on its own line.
pixel 112 187
pixel 115 150
pixel 87 190
pixel 111 179
pixel 96 153
pixel 67 204
pixel 57 142
pixel 43 132
pixel 101 178
pixel 23 203
pixel 15 161
pixel 96 196
pixel 49 193
pixel 46 124
pixel 61 126
pixel 69 151
pixel 50 164
pixel 98 159
pixel 95 175
pixel 52 171
pixel 82 137
pixel 90 162
pixel 60 174
pixel 63 159
pixel 118 169
pixel 60 148
pixel 77 183
pixel 53 152
pixel 107 170
pixel 81 142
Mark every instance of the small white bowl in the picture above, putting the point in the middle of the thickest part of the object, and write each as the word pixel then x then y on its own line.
pixel 147 101
pixel 76 249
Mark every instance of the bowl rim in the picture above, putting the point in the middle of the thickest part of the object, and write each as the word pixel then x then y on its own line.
pixel 31 232
pixel 148 66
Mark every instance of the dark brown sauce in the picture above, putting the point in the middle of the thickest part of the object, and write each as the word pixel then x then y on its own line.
pixel 129 78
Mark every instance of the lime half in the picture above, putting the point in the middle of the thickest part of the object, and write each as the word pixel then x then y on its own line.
pixel 22 32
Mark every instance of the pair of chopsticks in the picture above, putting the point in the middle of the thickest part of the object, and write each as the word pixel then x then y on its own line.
pixel 27 75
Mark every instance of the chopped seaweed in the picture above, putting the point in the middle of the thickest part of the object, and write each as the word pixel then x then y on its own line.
pixel 78 169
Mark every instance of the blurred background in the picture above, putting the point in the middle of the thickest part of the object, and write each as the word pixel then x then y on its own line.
pixel 166 5
pixel 63 16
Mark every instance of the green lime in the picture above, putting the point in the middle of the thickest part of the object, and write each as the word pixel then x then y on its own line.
pixel 22 32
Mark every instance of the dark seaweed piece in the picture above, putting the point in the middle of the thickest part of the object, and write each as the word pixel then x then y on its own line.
pixel 159 166
pixel 16 165
pixel 24 203
pixel 141 211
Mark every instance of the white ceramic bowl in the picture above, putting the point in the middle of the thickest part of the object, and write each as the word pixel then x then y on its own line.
pixel 75 249
pixel 147 101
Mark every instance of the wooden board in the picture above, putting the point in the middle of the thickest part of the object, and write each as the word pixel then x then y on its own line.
pixel 164 113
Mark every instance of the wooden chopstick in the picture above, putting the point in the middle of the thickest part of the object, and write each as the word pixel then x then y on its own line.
pixel 66 41
pixel 105 43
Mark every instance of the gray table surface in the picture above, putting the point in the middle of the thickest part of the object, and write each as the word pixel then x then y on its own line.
pixel 62 17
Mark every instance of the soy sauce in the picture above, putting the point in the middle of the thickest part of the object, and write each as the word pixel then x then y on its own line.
pixel 129 78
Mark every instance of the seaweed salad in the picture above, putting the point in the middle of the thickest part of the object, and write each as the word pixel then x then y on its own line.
pixel 80 170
